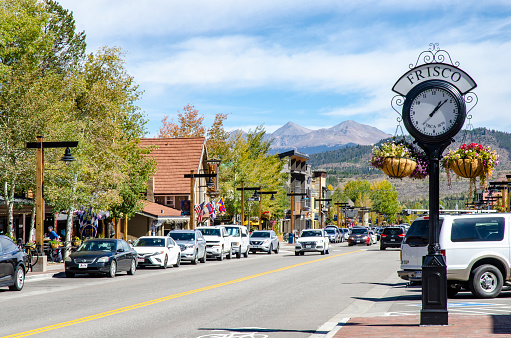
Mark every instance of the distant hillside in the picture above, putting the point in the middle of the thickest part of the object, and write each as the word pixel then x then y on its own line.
pixel 353 162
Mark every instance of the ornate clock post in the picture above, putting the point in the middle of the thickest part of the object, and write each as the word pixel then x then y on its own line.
pixel 434 111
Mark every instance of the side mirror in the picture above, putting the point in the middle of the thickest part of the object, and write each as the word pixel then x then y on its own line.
pixel 120 250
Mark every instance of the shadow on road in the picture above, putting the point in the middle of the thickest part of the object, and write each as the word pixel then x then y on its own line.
pixel 260 330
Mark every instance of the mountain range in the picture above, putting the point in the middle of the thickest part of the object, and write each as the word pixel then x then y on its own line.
pixel 294 137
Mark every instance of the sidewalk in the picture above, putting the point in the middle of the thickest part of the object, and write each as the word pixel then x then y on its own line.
pixel 51 269
pixel 408 326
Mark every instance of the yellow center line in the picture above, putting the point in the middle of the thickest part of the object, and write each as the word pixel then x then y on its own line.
pixel 163 299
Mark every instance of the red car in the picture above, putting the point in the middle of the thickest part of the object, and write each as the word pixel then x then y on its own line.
pixel 359 235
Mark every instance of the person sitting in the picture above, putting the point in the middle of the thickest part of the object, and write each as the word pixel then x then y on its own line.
pixel 54 236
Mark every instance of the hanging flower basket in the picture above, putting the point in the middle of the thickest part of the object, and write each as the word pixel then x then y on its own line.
pixel 400 159
pixel 467 167
pixel 398 167
pixel 471 161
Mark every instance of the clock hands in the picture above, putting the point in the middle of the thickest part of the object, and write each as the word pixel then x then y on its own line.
pixel 440 104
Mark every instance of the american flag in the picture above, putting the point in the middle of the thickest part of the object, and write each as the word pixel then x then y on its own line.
pixel 199 209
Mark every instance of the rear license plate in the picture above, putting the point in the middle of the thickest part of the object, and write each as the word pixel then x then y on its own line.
pixel 308 246
pixel 418 274
pixel 392 239
pixel 82 265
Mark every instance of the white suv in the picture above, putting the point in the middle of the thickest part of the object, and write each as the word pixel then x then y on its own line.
pixel 476 249
pixel 239 239
pixel 218 241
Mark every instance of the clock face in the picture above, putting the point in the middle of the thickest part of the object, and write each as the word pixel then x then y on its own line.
pixel 434 111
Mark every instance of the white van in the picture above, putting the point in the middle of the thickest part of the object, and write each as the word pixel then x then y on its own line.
pixel 477 249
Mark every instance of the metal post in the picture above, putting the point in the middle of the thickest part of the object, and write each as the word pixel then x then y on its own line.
pixel 292 212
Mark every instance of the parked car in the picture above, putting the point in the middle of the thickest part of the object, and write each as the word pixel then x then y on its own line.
pixel 312 240
pixel 239 239
pixel 345 234
pixel 333 233
pixel 374 238
pixel 391 237
pixel 192 244
pixel 218 241
pixel 476 248
pixel 359 235
pixel 12 264
pixel 264 240
pixel 102 256
pixel 159 251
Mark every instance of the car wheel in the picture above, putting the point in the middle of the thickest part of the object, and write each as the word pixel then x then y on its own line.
pixel 323 251
pixel 296 253
pixel 70 274
pixel 485 281
pixel 327 251
pixel 165 262
pixel 221 257
pixel 203 259
pixel 229 254
pixel 195 258
pixel 246 253
pixel 382 247
pixel 113 269
pixel 238 254
pixel 277 250
pixel 178 262
pixel 270 250
pixel 302 253
pixel 133 267
pixel 19 279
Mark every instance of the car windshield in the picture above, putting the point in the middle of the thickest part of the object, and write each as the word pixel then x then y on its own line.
pixel 210 232
pixel 97 246
pixel 233 231
pixel 393 231
pixel 330 231
pixel 310 233
pixel 359 231
pixel 418 234
pixel 260 234
pixel 182 236
pixel 150 242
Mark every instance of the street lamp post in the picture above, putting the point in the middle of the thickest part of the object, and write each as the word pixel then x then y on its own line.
pixel 192 177
pixel 40 145
pixel 341 205
pixel 242 189
pixel 272 198
pixel 321 208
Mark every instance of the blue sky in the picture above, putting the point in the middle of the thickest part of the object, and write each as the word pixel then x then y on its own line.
pixel 315 63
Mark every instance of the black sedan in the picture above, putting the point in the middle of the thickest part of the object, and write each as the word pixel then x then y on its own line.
pixel 102 256
pixel 12 264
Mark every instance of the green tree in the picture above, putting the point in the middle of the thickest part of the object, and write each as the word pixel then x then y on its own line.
pixel 355 189
pixel 249 161
pixel 384 198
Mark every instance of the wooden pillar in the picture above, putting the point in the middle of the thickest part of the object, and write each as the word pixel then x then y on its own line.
pixel 118 228
pixel 292 213
pixel 192 202
pixel 338 216
pixel 242 217
pixel 320 205
pixel 39 193
pixel 103 230
pixel 125 237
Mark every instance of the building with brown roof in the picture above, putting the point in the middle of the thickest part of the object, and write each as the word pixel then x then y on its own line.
pixel 168 189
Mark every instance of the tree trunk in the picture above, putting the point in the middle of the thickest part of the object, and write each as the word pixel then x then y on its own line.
pixel 69 232
pixel 125 229
pixel 9 201
pixel 31 236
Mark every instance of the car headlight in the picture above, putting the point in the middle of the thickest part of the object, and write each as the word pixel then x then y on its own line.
pixel 190 246
pixel 235 243
pixel 266 241
pixel 158 253
pixel 103 259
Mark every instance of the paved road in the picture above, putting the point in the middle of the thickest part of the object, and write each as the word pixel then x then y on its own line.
pixel 261 296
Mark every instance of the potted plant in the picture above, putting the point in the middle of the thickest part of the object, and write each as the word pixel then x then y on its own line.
pixel 54 243
pixel 394 158
pixel 77 241
pixel 471 161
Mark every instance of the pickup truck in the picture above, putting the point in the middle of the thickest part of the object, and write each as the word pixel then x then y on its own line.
pixel 218 242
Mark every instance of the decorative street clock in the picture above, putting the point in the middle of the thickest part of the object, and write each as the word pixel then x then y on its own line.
pixel 434 111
